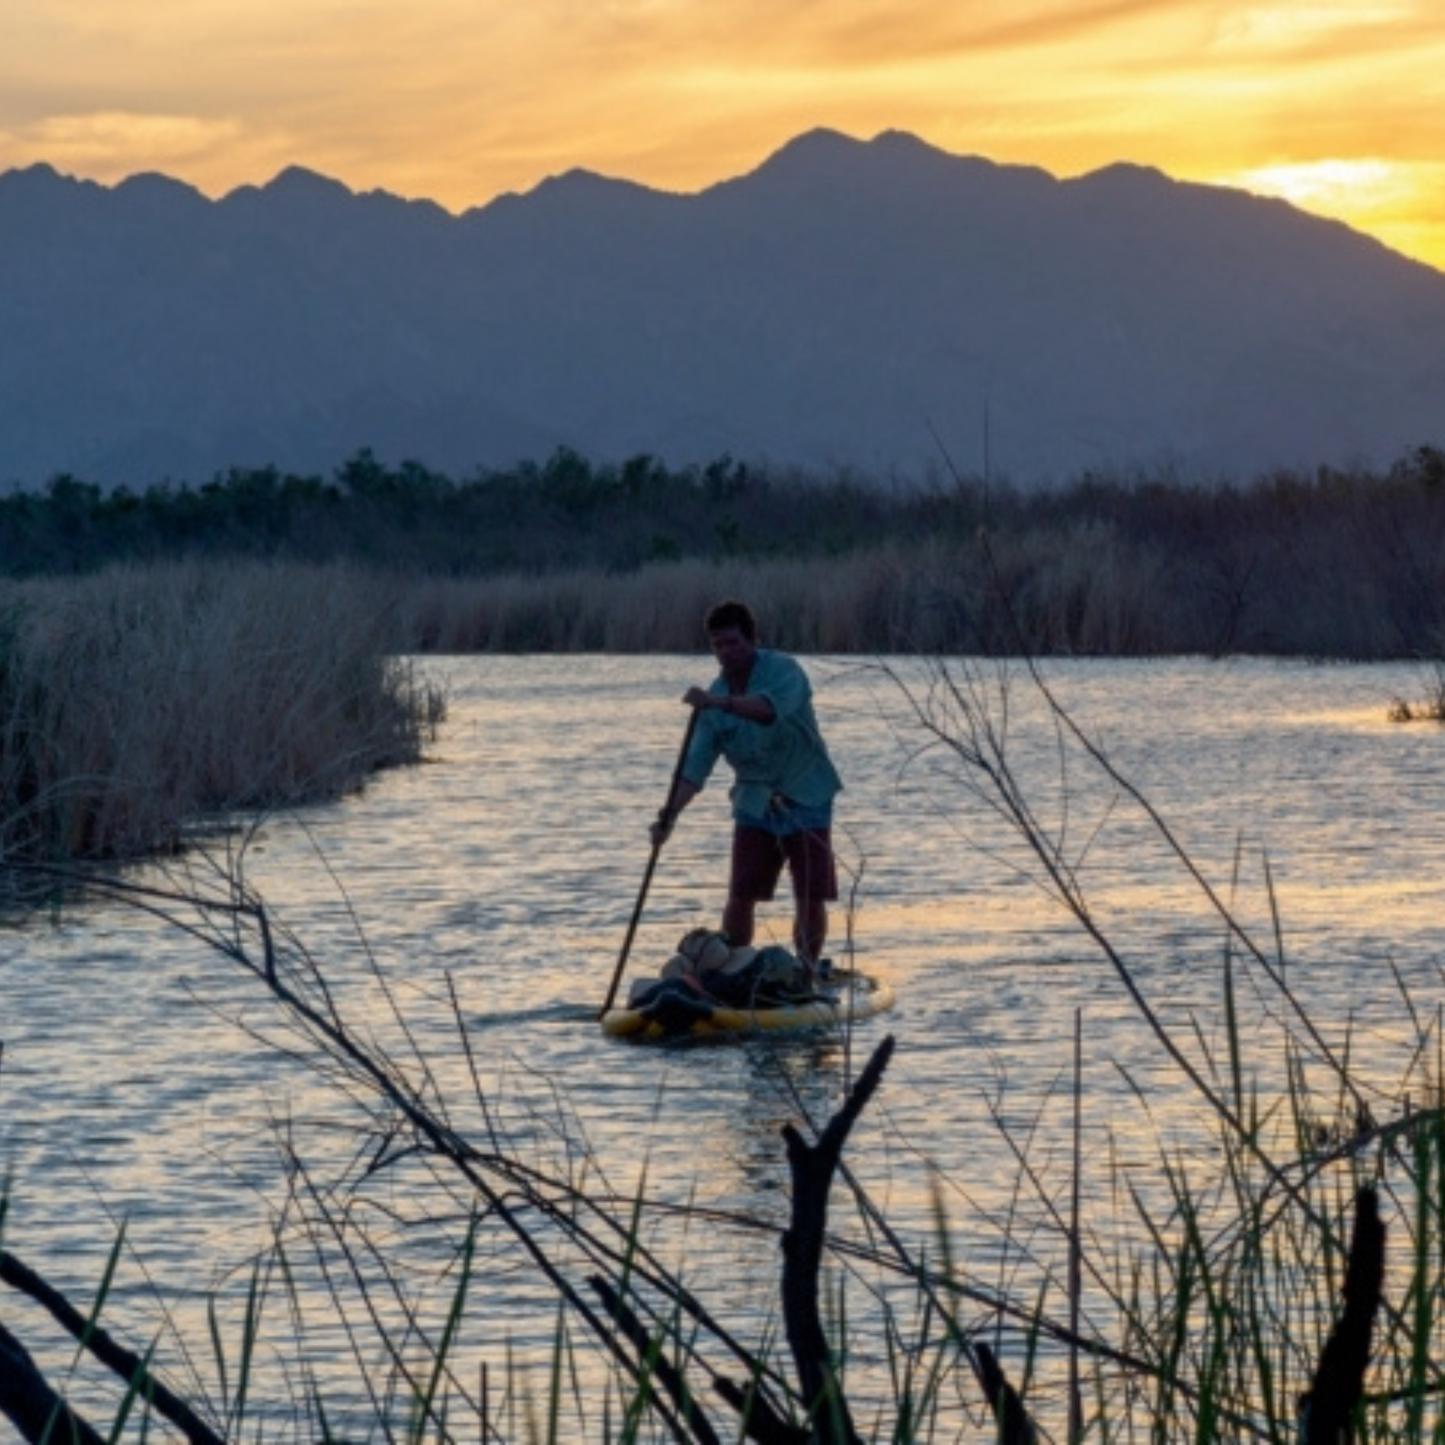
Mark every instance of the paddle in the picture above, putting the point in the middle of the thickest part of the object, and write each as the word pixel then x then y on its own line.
pixel 651 864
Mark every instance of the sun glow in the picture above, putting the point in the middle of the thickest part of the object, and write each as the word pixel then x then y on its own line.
pixel 1330 183
pixel 1386 198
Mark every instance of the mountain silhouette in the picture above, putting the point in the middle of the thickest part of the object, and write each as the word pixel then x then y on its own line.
pixel 874 306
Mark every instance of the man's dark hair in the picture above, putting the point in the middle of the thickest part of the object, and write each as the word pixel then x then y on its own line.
pixel 732 613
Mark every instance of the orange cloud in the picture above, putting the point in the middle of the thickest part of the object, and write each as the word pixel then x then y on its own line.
pixel 461 99
pixel 110 140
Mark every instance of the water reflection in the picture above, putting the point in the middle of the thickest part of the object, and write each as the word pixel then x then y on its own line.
pixel 798 1082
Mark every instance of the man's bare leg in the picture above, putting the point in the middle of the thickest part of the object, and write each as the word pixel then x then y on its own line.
pixel 738 921
pixel 810 926
pixel 810 929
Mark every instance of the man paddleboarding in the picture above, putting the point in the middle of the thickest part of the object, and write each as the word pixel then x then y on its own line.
pixel 758 715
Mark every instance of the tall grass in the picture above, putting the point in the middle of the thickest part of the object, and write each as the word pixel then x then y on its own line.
pixel 135 702
pixel 1077 593
pixel 1331 566
pixel 811 605
pixel 1227 1309
pixel 1082 588
pixel 1330 563
pixel 1208 1318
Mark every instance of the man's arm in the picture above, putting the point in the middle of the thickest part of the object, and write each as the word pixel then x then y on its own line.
pixel 752 706
pixel 682 795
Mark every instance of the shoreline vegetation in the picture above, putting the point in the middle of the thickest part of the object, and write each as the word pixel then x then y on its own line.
pixel 172 656
pixel 569 555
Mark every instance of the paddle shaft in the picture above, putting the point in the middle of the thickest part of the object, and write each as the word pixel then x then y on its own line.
pixel 651 867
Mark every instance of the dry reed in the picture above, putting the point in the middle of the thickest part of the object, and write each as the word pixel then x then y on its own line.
pixel 136 701
pixel 872 601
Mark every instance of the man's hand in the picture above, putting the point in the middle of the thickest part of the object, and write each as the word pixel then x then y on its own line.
pixel 682 794
pixel 699 698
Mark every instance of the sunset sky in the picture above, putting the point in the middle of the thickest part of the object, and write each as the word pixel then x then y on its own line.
pixel 1337 105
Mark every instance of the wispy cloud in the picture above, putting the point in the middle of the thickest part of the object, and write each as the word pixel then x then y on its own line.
pixel 106 139
pixel 1262 31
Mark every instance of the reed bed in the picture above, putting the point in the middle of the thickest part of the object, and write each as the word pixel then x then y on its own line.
pixel 1089 590
pixel 1075 595
pixel 136 702
pixel 811 605
pixel 139 700
pixel 1330 563
pixel 1431 707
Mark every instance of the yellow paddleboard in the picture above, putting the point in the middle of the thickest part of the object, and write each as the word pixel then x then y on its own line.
pixel 848 997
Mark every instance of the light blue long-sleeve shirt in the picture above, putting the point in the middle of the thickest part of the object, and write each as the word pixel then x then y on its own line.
pixel 785 757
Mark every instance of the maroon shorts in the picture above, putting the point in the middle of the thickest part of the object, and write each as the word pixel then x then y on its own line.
pixel 758 858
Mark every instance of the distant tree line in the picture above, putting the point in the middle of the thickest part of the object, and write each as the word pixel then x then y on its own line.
pixel 560 515
pixel 1347 563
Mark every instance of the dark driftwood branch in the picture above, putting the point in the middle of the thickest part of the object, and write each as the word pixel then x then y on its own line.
pixel 1328 1409
pixel 1014 1425
pixel 651 1360
pixel 763 1424
pixel 104 1346
pixel 31 1404
pixel 813 1167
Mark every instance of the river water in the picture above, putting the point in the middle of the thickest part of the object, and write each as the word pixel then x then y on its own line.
pixel 146 1076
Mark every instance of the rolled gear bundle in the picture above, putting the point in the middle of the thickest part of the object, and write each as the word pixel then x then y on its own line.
pixel 778 965
pixel 676 966
pixel 740 958
pixel 707 950
pixel 772 975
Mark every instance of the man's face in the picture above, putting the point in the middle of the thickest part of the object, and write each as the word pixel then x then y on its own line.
pixel 733 651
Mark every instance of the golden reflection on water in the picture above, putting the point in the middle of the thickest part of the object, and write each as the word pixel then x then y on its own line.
pixel 510 866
